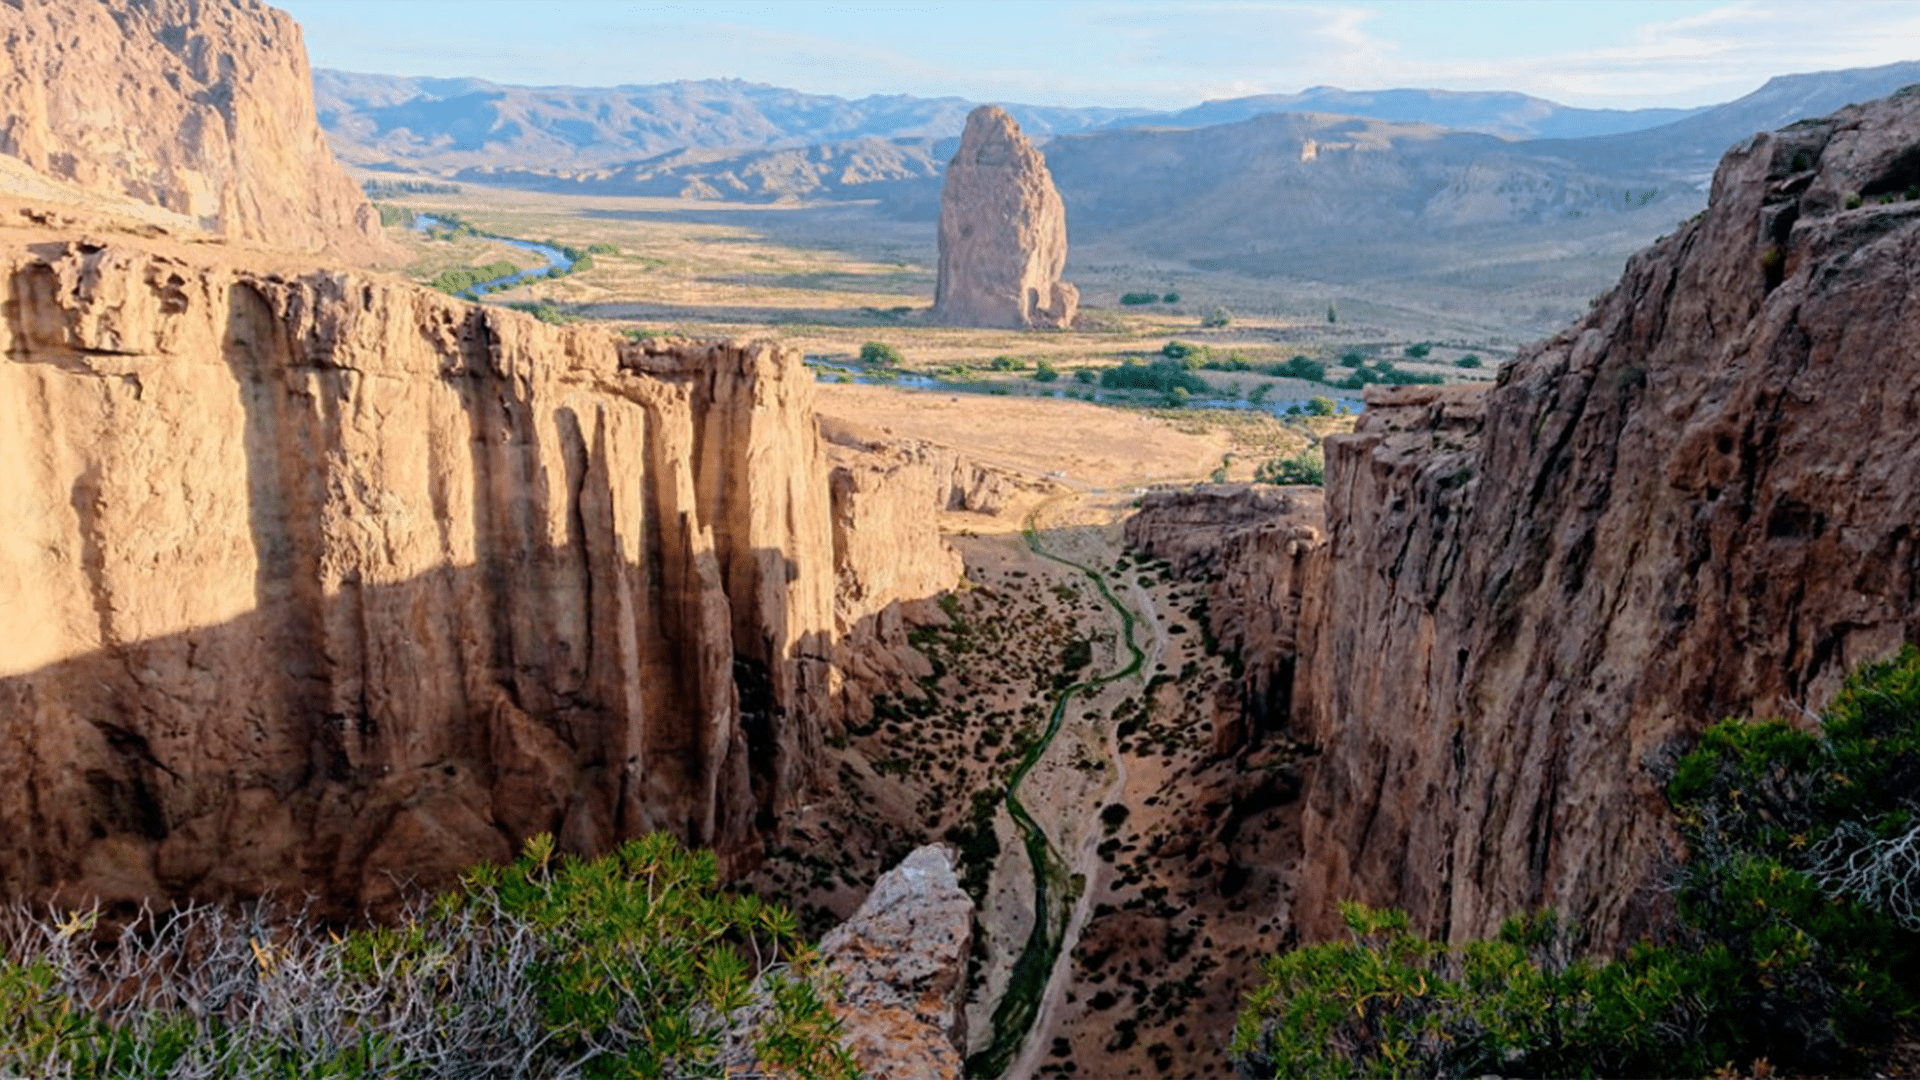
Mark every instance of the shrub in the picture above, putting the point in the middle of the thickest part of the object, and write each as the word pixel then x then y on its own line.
pixel 1134 299
pixel 1007 363
pixel 1044 372
pixel 1178 350
pixel 462 279
pixel 1216 318
pixel 1332 315
pixel 1085 375
pixel 879 353
pixel 1320 406
pixel 1299 367
pixel 602 249
pixel 1352 358
pixel 1177 397
pixel 1419 350
pixel 1798 940
pixel 1309 466
pixel 633 964
pixel 1467 361
pixel 1170 298
pixel 1161 375
pixel 1259 395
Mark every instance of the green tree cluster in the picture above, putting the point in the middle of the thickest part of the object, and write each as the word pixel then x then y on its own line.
pixel 880 354
pixel 1164 375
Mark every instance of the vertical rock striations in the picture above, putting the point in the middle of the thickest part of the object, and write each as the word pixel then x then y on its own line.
pixel 1003 232
pixel 1697 502
pixel 202 108
pixel 316 580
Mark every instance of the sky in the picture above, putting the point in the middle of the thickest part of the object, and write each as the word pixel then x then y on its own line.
pixel 1162 55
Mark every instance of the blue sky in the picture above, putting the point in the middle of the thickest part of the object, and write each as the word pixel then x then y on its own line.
pixel 1167 54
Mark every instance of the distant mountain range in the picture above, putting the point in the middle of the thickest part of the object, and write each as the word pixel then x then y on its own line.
pixel 444 124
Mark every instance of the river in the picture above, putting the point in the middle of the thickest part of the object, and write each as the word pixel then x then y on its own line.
pixel 556 259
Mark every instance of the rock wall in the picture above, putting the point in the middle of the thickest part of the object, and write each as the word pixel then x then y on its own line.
pixel 1003 232
pixel 315 580
pixel 1696 502
pixel 202 108
pixel 1262 550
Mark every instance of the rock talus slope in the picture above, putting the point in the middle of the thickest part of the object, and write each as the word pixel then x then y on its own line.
pixel 204 109
pixel 1697 502
pixel 317 580
pixel 1003 232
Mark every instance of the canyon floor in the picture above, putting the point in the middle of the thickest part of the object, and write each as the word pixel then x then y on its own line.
pixel 1164 916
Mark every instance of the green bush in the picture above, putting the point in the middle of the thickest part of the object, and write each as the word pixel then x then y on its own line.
pixel 1299 367
pixel 1170 298
pixel 1309 466
pixel 1321 406
pixel 1007 363
pixel 1179 350
pixel 1161 375
pixel 1085 375
pixel 394 217
pixel 635 964
pixel 880 353
pixel 1352 358
pixel 1419 351
pixel 462 279
pixel 1798 939
pixel 1467 361
pixel 1044 372
pixel 1134 299
pixel 1216 318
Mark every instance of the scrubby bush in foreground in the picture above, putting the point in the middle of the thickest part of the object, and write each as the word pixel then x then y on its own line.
pixel 630 965
pixel 1798 940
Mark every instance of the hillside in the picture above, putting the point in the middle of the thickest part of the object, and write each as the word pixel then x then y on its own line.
pixel 438 124
pixel 1490 112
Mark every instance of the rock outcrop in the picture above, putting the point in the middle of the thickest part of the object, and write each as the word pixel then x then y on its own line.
pixel 316 580
pixel 1697 502
pixel 1003 232
pixel 1261 549
pixel 902 965
pixel 204 109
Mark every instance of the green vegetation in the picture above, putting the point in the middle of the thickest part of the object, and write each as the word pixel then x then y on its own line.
pixel 1384 373
pixel 635 964
pixel 1299 367
pixel 1419 350
pixel 1180 350
pixel 1164 376
pixel 1309 466
pixel 1170 298
pixel 386 189
pixel 1216 317
pixel 880 354
pixel 546 311
pixel 1085 375
pixel 461 279
pixel 1352 358
pixel 1007 363
pixel 1467 361
pixel 1044 372
pixel 394 217
pixel 1135 299
pixel 1797 943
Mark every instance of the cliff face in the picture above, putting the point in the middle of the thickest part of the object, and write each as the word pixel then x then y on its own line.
pixel 1003 232
pixel 313 580
pixel 1697 502
pixel 204 109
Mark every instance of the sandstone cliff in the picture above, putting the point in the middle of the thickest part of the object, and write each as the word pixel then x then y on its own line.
pixel 1699 501
pixel 1003 232
pixel 317 580
pixel 204 109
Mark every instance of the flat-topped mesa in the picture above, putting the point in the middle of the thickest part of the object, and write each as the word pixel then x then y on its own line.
pixel 204 110
pixel 1003 233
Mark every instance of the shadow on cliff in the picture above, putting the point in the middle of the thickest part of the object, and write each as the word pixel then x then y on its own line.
pixel 365 725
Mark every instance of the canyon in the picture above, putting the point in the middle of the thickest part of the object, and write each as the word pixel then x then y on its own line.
pixel 1519 602
pixel 322 583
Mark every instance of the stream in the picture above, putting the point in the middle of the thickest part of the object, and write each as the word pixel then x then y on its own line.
pixel 1013 1017
pixel 556 259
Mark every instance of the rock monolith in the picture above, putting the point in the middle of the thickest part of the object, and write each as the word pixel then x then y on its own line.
pixel 1003 233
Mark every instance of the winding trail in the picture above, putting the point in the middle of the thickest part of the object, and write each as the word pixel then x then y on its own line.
pixel 1020 1004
